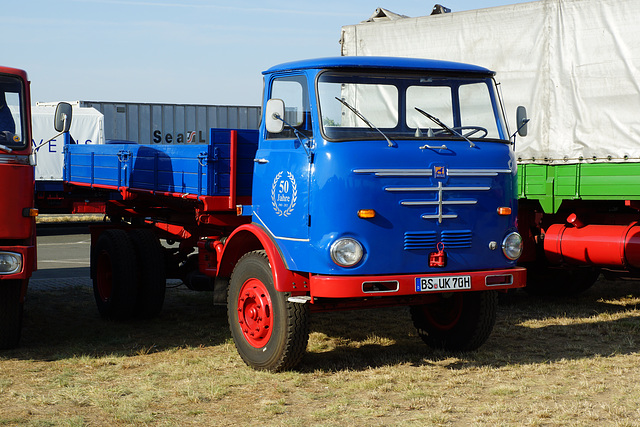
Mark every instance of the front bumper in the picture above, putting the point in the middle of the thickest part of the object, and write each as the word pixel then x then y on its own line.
pixel 323 286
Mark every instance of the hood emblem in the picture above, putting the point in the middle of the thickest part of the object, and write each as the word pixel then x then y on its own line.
pixel 440 172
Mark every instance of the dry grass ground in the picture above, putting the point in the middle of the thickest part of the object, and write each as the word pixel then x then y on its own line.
pixel 549 362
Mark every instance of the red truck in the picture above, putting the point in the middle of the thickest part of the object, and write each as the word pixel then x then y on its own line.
pixel 17 223
pixel 17 212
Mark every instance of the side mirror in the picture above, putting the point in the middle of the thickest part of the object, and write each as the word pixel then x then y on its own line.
pixel 274 115
pixel 62 118
pixel 521 120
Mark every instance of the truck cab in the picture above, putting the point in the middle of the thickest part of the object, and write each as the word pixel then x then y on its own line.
pixel 356 178
pixel 17 224
pixel 385 181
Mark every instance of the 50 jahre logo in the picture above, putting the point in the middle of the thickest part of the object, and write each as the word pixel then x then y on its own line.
pixel 284 193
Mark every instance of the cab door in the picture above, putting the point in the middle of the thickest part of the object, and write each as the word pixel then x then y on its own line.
pixel 283 163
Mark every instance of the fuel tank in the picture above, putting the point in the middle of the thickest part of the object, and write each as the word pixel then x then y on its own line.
pixel 595 245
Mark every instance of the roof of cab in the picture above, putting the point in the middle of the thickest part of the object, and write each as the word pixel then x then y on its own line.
pixel 378 62
pixel 14 71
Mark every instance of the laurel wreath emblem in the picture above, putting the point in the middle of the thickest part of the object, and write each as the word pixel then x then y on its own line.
pixel 294 194
pixel 273 194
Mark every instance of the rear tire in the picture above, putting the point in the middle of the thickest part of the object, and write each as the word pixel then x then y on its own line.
pixel 270 332
pixel 151 276
pixel 113 263
pixel 460 321
pixel 11 312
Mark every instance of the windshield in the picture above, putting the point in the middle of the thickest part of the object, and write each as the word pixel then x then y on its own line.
pixel 389 105
pixel 11 123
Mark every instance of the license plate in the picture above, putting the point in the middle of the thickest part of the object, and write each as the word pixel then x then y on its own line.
pixel 442 283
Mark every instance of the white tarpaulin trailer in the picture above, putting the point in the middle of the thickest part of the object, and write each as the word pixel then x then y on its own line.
pixel 575 65
pixel 87 127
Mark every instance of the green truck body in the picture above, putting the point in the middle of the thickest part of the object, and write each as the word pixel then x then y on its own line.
pixel 574 65
pixel 551 185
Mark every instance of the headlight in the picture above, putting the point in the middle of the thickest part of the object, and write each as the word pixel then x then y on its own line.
pixel 346 252
pixel 10 262
pixel 512 246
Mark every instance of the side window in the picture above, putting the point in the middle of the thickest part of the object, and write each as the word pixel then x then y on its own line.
pixel 293 91
pixel 11 126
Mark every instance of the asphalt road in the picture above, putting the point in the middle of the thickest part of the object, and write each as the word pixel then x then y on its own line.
pixel 63 256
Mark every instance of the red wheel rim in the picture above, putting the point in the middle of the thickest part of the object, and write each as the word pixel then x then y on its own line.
pixel 104 276
pixel 254 313
pixel 445 313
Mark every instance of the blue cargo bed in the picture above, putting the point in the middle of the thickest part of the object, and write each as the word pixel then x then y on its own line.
pixel 223 168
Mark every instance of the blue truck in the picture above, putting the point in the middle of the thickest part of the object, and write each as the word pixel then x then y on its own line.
pixel 371 182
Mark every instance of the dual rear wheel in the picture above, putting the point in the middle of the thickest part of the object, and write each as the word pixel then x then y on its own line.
pixel 128 272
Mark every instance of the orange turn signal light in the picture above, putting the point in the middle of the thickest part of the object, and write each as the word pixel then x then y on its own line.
pixel 504 211
pixel 30 212
pixel 366 213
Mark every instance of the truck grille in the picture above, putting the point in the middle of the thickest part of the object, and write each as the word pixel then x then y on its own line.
pixel 428 240
pixel 441 190
pixel 439 195
pixel 419 240
pixel 456 239
pixel 442 195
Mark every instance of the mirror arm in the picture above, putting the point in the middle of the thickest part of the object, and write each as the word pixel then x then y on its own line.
pixel 48 141
pixel 298 134
pixel 523 124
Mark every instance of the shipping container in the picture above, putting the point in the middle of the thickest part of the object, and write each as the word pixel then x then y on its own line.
pixel 147 123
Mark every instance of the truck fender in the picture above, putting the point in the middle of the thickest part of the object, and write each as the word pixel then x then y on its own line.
pixel 250 237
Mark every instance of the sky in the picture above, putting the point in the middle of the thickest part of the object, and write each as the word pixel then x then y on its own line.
pixel 171 51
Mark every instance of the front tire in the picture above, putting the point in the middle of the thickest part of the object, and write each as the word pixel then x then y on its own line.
pixel 11 312
pixel 270 332
pixel 460 321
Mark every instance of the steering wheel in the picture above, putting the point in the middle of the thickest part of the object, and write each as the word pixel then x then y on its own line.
pixel 6 136
pixel 472 131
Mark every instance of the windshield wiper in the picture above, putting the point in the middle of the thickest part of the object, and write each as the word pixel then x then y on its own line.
pixel 368 123
pixel 445 127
